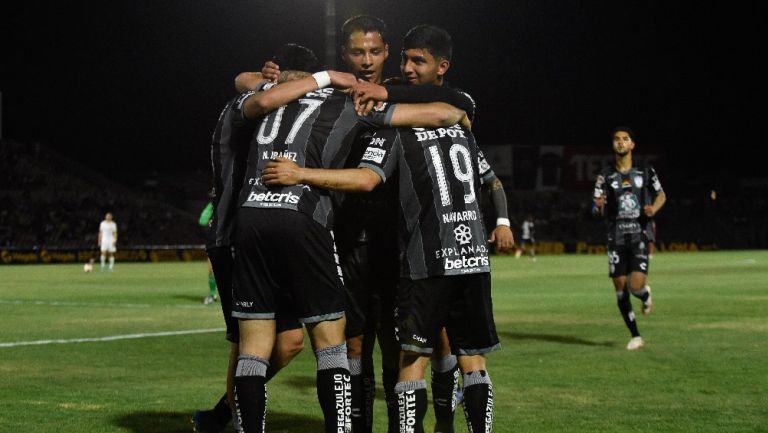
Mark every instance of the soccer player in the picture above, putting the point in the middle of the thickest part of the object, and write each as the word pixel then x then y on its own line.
pixel 528 240
pixel 107 241
pixel 445 268
pixel 229 152
pixel 284 243
pixel 425 59
pixel 364 232
pixel 205 221
pixel 619 195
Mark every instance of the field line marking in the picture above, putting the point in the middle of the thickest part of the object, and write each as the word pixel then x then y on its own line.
pixel 99 304
pixel 110 338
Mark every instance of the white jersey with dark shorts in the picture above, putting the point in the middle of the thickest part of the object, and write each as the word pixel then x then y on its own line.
pixel 442 238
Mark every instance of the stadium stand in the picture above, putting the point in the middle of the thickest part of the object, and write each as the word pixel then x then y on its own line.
pixel 49 200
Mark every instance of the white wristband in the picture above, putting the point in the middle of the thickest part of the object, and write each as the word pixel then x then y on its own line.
pixel 323 79
pixel 502 222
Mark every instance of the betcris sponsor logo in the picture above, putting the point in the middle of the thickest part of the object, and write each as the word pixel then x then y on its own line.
pixel 466 263
pixel 374 154
pixel 270 198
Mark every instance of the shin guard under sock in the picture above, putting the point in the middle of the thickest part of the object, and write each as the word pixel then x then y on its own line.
pixel 334 388
pixel 369 395
pixel 356 382
pixel 625 307
pixel 251 393
pixel 478 401
pixel 222 413
pixel 445 384
pixel 411 405
pixel 389 379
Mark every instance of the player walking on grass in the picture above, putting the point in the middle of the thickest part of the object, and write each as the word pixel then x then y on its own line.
pixel 619 194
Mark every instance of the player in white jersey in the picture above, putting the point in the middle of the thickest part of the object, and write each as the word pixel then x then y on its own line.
pixel 108 241
pixel 528 242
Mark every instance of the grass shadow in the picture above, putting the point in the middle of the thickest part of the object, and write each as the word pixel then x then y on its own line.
pixel 300 382
pixel 192 298
pixel 176 422
pixel 562 339
pixel 284 422
pixel 155 422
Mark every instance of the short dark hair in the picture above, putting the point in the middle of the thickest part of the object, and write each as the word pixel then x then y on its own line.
pixel 294 57
pixel 434 39
pixel 365 24
pixel 626 129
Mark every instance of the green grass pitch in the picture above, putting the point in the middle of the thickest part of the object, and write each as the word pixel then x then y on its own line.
pixel 562 368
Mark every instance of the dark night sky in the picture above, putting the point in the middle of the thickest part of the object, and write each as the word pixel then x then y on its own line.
pixel 141 83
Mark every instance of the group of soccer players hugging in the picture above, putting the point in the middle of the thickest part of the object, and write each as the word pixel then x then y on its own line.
pixel 350 206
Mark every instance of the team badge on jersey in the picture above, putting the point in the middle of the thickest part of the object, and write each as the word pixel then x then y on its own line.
pixel 625 183
pixel 639 181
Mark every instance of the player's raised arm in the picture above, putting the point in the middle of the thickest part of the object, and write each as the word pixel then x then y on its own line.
pixel 263 102
pixel 249 81
pixel 284 172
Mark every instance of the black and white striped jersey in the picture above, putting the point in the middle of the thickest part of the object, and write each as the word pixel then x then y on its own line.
pixel 441 229
pixel 625 195
pixel 229 152
pixel 314 131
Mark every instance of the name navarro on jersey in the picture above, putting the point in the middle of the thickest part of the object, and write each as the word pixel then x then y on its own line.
pixel 433 134
pixel 466 215
pixel 270 198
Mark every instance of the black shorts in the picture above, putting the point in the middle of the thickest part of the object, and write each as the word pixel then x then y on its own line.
pixel 461 303
pixel 628 258
pixel 360 302
pixel 222 262
pixel 285 256
pixel 370 274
